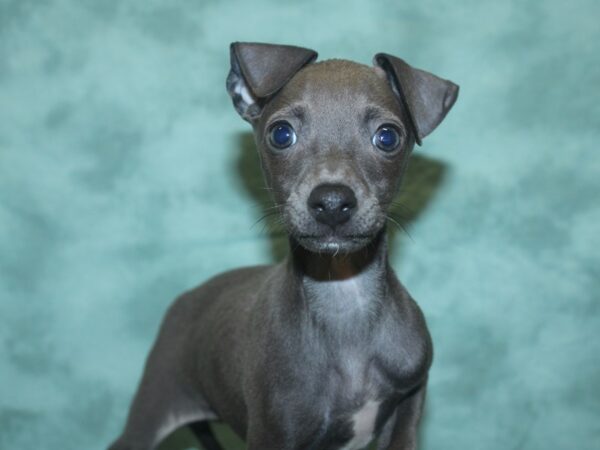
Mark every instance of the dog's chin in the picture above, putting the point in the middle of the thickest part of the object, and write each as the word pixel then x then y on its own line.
pixel 333 244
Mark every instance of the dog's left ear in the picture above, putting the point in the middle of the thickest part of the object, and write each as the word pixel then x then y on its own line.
pixel 259 71
pixel 426 97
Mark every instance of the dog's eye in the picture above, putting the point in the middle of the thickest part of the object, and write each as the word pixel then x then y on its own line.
pixel 386 138
pixel 282 135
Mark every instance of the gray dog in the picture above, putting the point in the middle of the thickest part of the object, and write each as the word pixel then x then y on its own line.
pixel 325 350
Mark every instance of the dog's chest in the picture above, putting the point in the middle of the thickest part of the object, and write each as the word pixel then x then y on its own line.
pixel 353 384
pixel 355 391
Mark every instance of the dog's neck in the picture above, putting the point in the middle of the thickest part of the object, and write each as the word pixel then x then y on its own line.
pixel 342 289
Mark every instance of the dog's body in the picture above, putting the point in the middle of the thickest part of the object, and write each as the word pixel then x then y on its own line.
pixel 325 350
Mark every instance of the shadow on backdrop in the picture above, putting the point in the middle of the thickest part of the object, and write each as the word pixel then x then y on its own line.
pixel 424 177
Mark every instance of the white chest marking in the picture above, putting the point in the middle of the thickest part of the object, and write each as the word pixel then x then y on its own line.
pixel 363 426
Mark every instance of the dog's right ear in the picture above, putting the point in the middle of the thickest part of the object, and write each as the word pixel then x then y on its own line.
pixel 259 71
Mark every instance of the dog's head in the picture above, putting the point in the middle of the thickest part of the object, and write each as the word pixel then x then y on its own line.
pixel 334 137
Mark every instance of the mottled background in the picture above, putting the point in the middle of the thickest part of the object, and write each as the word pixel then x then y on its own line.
pixel 126 177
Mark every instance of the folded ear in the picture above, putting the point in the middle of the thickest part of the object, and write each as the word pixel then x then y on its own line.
pixel 427 97
pixel 259 71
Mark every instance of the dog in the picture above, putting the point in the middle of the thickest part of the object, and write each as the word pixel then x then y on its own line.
pixel 325 350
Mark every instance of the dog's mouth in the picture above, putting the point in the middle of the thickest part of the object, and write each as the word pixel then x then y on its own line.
pixel 335 233
pixel 332 243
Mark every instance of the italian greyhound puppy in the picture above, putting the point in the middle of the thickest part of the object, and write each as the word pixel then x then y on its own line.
pixel 325 350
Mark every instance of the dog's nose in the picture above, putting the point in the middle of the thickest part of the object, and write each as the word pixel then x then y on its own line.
pixel 332 204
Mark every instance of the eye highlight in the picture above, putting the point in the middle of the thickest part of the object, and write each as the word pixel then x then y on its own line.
pixel 282 135
pixel 386 138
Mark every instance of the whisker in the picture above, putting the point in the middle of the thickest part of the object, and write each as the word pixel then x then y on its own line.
pixel 268 188
pixel 399 225
pixel 400 206
pixel 263 217
pixel 274 226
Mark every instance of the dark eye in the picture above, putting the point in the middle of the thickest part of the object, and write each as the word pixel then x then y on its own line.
pixel 386 138
pixel 282 135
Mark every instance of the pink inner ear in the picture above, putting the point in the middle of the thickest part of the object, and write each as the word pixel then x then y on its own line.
pixel 380 72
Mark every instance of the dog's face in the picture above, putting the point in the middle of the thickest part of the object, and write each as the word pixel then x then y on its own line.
pixel 333 144
pixel 334 138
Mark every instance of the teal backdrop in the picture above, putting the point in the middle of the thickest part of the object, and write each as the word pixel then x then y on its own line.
pixel 126 178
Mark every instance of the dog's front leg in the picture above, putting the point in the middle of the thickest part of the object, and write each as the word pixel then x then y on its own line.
pixel 400 433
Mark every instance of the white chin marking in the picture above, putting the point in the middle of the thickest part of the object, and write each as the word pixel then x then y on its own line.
pixel 332 246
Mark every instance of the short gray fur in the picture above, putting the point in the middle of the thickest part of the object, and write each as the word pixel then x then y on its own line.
pixel 325 350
